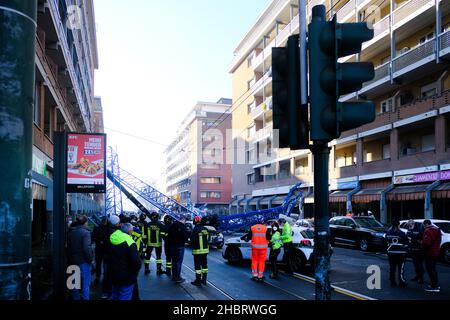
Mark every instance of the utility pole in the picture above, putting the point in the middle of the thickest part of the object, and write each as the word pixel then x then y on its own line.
pixel 17 78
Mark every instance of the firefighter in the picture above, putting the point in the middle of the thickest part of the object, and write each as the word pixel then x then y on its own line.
pixel 397 250
pixel 164 233
pixel 200 250
pixel 137 237
pixel 154 241
pixel 259 235
pixel 142 226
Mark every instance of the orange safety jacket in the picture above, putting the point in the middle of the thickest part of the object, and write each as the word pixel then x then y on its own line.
pixel 259 240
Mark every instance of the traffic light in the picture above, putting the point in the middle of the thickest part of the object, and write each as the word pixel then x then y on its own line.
pixel 328 79
pixel 289 117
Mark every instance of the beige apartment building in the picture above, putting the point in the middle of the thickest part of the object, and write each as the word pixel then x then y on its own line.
pixel 397 166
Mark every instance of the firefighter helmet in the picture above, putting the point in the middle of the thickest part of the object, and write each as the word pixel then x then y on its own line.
pixel 197 219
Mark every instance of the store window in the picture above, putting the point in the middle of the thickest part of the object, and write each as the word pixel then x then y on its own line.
pixel 210 194
pixel 210 180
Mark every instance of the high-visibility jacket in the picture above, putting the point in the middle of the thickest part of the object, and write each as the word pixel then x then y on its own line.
pixel 154 234
pixel 276 241
pixel 199 240
pixel 259 239
pixel 137 237
pixel 286 235
pixel 142 225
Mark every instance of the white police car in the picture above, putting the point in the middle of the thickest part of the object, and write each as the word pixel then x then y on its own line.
pixel 236 249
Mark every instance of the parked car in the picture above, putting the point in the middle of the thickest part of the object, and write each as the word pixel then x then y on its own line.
pixel 215 237
pixel 444 225
pixel 307 223
pixel 236 249
pixel 360 231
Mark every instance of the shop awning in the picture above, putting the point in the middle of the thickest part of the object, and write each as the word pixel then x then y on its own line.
pixel 39 191
pixel 254 201
pixel 407 192
pixel 367 195
pixel 442 191
pixel 339 195
pixel 309 198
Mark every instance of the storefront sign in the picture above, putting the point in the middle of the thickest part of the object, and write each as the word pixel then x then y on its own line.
pixel 86 157
pixel 423 177
pixel 39 165
pixel 343 185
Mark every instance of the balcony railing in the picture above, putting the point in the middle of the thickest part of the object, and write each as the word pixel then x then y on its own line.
pixel 263 107
pixel 263 133
pixel 444 40
pixel 262 80
pixel 414 55
pixel 348 8
pixel 409 8
pixel 381 72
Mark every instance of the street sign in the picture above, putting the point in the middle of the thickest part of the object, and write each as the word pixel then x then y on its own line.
pixel 85 167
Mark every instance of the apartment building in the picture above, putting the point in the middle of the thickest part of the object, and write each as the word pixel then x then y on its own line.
pixel 66 57
pixel 398 165
pixel 197 170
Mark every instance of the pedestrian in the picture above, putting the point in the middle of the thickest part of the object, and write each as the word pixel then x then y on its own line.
pixel 259 235
pixel 142 225
pixel 286 238
pixel 431 244
pixel 200 250
pixel 98 237
pixel 176 239
pixel 275 248
pixel 113 225
pixel 154 241
pixel 164 232
pixel 80 254
pixel 415 235
pixel 397 250
pixel 125 263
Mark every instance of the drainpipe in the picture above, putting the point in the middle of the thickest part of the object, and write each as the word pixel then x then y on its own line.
pixel 350 195
pixel 438 29
pixel 383 207
pixel 17 75
pixel 428 204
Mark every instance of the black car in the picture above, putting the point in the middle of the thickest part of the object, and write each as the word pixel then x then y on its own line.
pixel 363 232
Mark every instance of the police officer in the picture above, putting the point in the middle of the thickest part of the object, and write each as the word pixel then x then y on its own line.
pixel 397 250
pixel 275 248
pixel 200 250
pixel 154 241
pixel 415 235
pixel 164 233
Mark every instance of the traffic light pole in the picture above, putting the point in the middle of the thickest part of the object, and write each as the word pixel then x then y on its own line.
pixel 321 153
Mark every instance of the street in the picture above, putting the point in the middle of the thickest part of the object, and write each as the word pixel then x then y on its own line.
pixel 348 277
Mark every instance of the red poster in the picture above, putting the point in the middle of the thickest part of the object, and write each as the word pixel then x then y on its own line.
pixel 85 162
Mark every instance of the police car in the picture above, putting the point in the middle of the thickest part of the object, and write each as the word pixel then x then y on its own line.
pixel 236 249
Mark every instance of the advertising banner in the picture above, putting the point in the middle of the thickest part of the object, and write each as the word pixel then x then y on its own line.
pixel 423 177
pixel 86 157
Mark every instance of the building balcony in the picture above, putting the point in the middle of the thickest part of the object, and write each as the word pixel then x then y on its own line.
pixel 258 111
pixel 410 10
pixel 346 12
pixel 262 134
pixel 382 75
pixel 444 44
pixel 257 88
pixel 414 58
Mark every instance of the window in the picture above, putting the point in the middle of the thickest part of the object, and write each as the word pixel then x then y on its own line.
pixel 269 172
pixel 386 105
pixel 37 105
pixel 210 194
pixel 215 180
pixel 428 91
pixel 285 169
pixel 251 178
pixel 210 166
pixel 251 131
pixel 301 166
pixel 386 151
pixel 249 154
pixel 250 59
pixel 251 82
pixel 428 143
pixel 426 38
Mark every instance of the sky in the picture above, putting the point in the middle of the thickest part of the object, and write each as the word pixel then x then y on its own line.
pixel 157 58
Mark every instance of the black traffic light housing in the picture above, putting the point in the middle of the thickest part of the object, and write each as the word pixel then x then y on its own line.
pixel 329 79
pixel 289 116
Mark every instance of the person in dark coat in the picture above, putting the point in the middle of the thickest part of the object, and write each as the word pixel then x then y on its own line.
pixel 80 254
pixel 431 245
pixel 124 263
pixel 99 237
pixel 415 235
pixel 176 240
pixel 113 225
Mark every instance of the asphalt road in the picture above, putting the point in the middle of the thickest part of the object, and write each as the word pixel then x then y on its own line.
pixel 348 275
